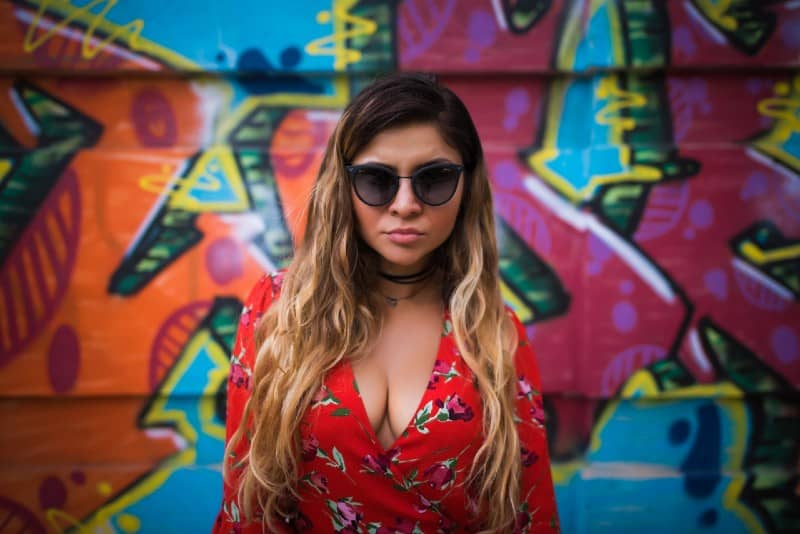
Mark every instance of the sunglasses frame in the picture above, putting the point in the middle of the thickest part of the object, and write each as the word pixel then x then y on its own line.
pixel 353 169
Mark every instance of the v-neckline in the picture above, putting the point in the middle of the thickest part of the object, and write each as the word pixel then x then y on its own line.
pixel 363 415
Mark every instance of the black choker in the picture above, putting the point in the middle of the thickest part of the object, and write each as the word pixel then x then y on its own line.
pixel 408 278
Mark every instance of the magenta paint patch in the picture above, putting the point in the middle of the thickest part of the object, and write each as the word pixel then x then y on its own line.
pixel 78 477
pixel 224 260
pixel 153 119
pixel 19 281
pixel 52 493
pixel 63 359
pixel 13 513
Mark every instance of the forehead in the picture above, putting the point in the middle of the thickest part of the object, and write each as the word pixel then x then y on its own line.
pixel 407 145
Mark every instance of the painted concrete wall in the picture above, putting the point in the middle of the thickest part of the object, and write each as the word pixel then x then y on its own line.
pixel 645 158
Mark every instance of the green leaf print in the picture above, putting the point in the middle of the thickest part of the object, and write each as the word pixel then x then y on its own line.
pixel 339 459
pixel 341 412
pixel 422 417
pixel 448 327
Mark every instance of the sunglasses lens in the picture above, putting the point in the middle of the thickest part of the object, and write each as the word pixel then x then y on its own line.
pixel 436 185
pixel 374 186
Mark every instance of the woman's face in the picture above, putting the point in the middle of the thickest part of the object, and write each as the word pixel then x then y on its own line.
pixel 406 231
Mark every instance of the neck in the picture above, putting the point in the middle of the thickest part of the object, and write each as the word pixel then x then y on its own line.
pixel 418 289
pixel 412 278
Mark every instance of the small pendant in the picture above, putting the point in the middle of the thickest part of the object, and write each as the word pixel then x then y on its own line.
pixel 391 301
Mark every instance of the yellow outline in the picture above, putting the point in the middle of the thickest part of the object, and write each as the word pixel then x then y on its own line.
pixel 115 33
pixel 757 255
pixel 157 413
pixel 335 44
pixel 194 180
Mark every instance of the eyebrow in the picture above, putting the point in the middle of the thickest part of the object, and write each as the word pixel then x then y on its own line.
pixel 416 168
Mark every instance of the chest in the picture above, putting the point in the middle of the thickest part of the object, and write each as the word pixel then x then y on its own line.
pixel 393 377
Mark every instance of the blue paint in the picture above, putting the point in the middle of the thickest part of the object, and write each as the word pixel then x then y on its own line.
pixel 200 30
pixel 702 465
pixel 708 518
pixel 253 61
pixel 679 432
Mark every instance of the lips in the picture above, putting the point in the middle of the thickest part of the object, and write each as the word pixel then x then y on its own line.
pixel 404 236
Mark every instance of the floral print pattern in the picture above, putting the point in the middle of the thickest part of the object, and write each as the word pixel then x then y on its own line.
pixel 350 483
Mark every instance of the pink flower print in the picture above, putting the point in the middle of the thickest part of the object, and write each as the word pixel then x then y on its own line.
pixel 349 516
pixel 319 482
pixel 537 411
pixel 240 378
pixel 524 388
pixel 380 463
pixel 310 446
pixel 277 282
pixel 422 505
pixel 439 476
pixel 457 409
pixel 244 319
pixel 319 395
pixel 528 457
pixel 441 367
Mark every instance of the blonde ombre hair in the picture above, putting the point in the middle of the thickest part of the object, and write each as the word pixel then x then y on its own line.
pixel 326 311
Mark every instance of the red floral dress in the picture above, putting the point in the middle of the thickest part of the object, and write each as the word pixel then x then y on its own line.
pixel 351 483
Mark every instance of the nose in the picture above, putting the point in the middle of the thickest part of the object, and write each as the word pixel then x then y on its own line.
pixel 405 202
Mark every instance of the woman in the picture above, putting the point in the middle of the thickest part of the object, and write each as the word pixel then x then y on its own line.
pixel 379 384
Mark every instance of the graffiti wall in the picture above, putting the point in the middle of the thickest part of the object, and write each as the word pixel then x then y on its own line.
pixel 155 158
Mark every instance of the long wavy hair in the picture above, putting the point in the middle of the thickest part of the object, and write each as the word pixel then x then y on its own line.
pixel 326 311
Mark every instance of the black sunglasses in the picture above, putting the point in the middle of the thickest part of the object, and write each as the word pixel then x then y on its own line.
pixel 432 184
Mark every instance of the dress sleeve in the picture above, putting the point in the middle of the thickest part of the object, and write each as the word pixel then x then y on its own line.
pixel 538 511
pixel 230 518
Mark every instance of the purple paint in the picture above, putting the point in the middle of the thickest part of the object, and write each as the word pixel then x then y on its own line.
pixel 526 220
pixel 789 200
pixel 153 119
pixel 420 23
pixel 790 32
pixel 481 31
pixel 683 41
pixel 530 331
pixel 701 214
pixel 758 294
pixel 599 254
pixel 716 282
pixel 63 359
pixel 687 97
pixel 518 103
pixel 624 316
pixel 755 85
pixel 626 363
pixel 688 234
pixel 506 174
pixel 626 287
pixel 665 207
pixel 756 185
pixel 784 344
pixel 224 260
pixel 52 493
